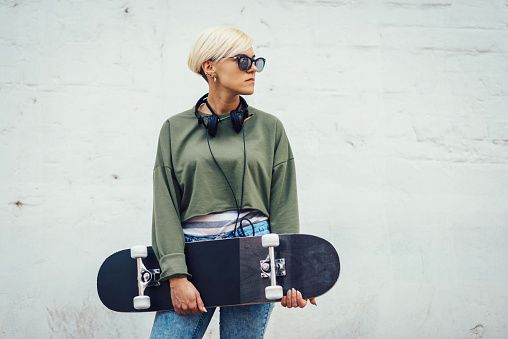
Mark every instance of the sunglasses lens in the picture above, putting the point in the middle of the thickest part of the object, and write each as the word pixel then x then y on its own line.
pixel 244 63
pixel 260 64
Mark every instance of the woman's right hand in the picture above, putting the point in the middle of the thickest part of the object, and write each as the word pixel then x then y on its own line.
pixel 186 298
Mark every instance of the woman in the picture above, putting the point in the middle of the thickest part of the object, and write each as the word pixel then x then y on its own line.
pixel 223 169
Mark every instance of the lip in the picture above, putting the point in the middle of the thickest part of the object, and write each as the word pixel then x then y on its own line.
pixel 250 80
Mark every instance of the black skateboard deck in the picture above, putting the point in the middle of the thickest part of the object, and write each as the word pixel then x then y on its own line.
pixel 225 272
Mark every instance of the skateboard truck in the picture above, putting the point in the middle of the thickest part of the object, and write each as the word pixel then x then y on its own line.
pixel 273 291
pixel 145 277
pixel 280 267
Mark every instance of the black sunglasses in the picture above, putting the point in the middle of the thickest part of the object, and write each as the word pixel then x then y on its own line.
pixel 245 62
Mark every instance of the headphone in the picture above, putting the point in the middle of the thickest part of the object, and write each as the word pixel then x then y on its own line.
pixel 237 116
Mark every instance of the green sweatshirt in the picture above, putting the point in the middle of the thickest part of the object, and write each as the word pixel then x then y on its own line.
pixel 188 183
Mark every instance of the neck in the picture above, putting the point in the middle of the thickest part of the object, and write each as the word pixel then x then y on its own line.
pixel 222 103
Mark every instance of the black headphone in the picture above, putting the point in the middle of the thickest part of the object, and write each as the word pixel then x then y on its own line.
pixel 237 116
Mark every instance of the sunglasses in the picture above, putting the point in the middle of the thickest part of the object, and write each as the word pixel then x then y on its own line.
pixel 245 62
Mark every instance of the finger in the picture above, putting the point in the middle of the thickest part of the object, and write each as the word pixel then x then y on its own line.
pixel 193 308
pixel 288 299
pixel 294 302
pixel 176 308
pixel 175 305
pixel 284 302
pixel 186 310
pixel 301 302
pixel 313 301
pixel 180 311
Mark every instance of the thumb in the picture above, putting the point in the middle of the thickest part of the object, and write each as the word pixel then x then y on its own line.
pixel 201 305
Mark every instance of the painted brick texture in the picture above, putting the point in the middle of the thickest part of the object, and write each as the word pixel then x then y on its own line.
pixel 398 116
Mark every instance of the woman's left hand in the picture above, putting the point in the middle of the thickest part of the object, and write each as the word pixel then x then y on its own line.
pixel 294 299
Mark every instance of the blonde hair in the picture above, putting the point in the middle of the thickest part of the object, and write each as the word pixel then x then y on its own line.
pixel 216 43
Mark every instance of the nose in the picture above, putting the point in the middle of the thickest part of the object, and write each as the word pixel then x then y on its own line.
pixel 253 68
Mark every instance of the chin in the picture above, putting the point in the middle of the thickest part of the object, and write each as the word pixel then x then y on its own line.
pixel 246 91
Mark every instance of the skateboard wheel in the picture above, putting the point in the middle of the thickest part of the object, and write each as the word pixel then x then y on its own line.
pixel 273 292
pixel 139 252
pixel 142 302
pixel 270 240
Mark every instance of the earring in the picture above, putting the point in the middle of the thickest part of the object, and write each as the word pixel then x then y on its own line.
pixel 214 78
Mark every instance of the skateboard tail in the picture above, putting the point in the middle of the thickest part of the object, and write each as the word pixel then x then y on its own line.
pixel 117 284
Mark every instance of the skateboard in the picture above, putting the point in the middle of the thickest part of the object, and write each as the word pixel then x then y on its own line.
pixel 227 272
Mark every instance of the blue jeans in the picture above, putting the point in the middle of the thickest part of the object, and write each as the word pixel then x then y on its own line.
pixel 246 321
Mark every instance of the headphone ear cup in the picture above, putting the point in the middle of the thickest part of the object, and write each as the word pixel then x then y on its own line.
pixel 237 120
pixel 213 122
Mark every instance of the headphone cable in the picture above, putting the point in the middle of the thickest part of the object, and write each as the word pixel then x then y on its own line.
pixel 238 208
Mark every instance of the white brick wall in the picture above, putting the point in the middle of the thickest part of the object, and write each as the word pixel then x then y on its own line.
pixel 397 113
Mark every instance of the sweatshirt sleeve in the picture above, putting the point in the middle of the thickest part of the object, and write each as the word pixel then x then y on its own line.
pixel 283 192
pixel 168 241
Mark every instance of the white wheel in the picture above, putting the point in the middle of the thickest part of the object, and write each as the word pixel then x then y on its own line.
pixel 270 239
pixel 273 292
pixel 139 252
pixel 142 302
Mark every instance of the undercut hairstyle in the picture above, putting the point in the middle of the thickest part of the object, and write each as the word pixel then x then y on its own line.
pixel 215 44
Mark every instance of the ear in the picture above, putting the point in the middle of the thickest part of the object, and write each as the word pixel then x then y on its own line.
pixel 208 67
